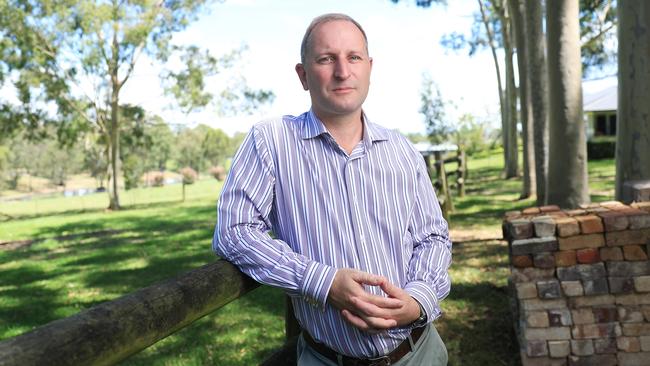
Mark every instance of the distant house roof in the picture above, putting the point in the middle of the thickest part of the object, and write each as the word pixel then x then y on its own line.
pixel 426 148
pixel 604 100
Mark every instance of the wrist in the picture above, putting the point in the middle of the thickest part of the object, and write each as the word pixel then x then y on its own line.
pixel 421 315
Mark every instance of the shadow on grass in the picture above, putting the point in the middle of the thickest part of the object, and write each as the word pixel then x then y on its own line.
pixel 478 327
pixel 243 332
pixel 85 262
pixel 73 212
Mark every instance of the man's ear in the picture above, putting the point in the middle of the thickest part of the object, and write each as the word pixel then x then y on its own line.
pixel 302 75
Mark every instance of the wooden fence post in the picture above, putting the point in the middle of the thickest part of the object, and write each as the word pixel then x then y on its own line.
pixel 462 173
pixel 291 326
pixel 447 205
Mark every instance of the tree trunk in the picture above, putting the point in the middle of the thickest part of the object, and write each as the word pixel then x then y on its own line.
pixel 567 173
pixel 519 25
pixel 115 125
pixel 502 103
pixel 536 56
pixel 511 150
pixel 633 130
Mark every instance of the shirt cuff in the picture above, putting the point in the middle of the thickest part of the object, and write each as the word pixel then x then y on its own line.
pixel 425 295
pixel 316 283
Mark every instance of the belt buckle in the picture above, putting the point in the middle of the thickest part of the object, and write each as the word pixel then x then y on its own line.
pixel 379 361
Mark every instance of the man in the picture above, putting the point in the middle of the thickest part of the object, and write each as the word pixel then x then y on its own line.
pixel 360 244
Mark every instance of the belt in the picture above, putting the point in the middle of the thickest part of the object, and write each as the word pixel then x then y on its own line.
pixel 402 350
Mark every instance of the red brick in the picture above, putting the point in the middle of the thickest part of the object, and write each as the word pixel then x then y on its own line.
pixel 565 258
pixel 582 241
pixel 642 283
pixel 585 206
pixel 590 224
pixel 645 206
pixel 634 253
pixel 559 349
pixel 582 347
pixel 549 208
pixel 611 254
pixel 567 226
pixel 576 212
pixel 544 260
pixel 628 344
pixel 614 220
pixel 589 255
pixel 640 220
pixel 518 229
pixel 531 210
pixel 544 226
pixel 612 204
pixel 636 329
pixel 553 333
pixel 597 210
pixel 591 331
pixel 605 345
pixel 537 319
pixel 605 314
pixel 628 237
pixel 536 348
pixel 522 261
pixel 530 274
pixel 526 290
pixel 630 314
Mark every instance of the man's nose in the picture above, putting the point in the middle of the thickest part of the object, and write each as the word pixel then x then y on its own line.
pixel 342 69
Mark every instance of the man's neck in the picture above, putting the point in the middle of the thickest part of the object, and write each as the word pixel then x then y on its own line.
pixel 347 131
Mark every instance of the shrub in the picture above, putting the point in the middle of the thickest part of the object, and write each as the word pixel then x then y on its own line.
pixel 158 179
pixel 218 172
pixel 189 175
pixel 601 147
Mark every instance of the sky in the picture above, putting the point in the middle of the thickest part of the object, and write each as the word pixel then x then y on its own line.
pixel 404 41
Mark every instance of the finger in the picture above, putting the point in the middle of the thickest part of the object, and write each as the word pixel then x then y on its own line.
pixel 368 324
pixel 383 302
pixel 392 290
pixel 355 320
pixel 365 308
pixel 368 278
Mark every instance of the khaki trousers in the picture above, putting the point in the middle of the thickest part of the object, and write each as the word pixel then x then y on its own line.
pixel 429 350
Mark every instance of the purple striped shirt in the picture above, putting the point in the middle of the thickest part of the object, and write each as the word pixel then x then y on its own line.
pixel 374 210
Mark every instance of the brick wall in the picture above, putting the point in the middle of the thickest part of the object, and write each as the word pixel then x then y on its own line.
pixel 580 283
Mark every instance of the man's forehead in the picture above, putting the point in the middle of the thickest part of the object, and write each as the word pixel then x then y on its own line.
pixel 331 33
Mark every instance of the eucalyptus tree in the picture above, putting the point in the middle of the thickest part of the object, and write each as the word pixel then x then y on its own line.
pixel 537 78
pixel 567 175
pixel 633 131
pixel 74 57
pixel 519 25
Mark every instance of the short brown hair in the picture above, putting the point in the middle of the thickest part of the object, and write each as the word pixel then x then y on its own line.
pixel 321 19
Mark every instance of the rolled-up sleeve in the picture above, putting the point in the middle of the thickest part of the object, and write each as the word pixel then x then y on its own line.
pixel 428 278
pixel 242 234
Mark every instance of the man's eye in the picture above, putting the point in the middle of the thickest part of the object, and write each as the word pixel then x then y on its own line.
pixel 355 58
pixel 326 60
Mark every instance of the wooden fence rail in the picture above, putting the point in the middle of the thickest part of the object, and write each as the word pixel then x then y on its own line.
pixel 114 330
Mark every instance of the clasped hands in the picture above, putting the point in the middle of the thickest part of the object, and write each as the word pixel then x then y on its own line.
pixel 368 312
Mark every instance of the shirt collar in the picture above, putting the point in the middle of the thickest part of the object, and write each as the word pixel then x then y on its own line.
pixel 313 127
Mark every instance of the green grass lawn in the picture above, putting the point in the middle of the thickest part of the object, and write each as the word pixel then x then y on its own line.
pixel 69 254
